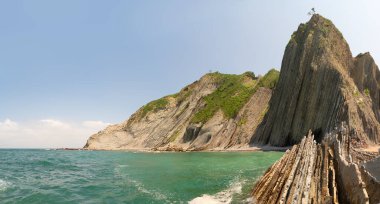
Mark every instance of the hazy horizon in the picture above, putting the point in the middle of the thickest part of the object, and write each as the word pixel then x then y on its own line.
pixel 70 68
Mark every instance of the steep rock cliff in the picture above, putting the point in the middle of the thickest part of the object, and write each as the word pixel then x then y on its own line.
pixel 318 88
pixel 333 99
pixel 218 111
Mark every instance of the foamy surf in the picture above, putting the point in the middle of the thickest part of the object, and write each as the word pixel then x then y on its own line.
pixel 138 185
pixel 223 197
pixel 4 185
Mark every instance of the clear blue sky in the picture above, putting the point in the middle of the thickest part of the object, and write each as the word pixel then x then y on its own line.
pixel 77 60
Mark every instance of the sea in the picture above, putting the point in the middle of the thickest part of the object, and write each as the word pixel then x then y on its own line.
pixel 60 176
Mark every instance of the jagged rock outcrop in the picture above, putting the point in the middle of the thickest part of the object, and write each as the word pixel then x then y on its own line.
pixel 320 85
pixel 320 173
pixel 366 76
pixel 218 111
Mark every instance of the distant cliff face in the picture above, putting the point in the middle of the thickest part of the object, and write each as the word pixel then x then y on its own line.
pixel 320 85
pixel 219 111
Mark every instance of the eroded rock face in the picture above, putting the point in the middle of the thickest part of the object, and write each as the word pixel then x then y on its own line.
pixel 315 90
pixel 148 129
pixel 168 126
pixel 366 75
pixel 192 132
pixel 219 133
pixel 318 173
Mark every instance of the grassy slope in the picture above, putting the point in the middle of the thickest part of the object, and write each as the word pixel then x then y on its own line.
pixel 232 93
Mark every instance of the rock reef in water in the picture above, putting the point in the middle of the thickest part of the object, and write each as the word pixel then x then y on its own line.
pixel 330 172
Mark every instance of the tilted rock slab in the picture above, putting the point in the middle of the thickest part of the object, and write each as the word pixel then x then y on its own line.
pixel 318 173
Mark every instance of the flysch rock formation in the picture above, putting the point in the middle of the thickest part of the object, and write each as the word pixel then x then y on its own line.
pixel 320 85
pixel 329 172
pixel 217 112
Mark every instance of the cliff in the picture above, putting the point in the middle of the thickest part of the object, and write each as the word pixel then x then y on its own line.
pixel 320 85
pixel 332 99
pixel 217 112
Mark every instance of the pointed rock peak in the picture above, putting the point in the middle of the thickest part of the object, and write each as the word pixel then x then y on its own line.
pixel 319 22
pixel 321 39
pixel 318 19
pixel 315 86
pixel 318 26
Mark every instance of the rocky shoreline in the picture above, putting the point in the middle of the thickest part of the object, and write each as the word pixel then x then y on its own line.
pixel 174 149
pixel 328 172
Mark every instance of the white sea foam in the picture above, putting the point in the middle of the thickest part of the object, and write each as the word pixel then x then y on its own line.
pixel 137 184
pixel 141 188
pixel 4 185
pixel 221 197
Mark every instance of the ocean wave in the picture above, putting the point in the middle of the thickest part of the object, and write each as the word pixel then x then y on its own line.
pixel 152 193
pixel 4 185
pixel 141 188
pixel 120 172
pixel 222 197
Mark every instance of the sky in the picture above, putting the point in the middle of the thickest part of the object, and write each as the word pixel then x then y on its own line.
pixel 69 68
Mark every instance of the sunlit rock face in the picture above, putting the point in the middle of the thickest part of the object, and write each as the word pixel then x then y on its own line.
pixel 217 112
pixel 320 85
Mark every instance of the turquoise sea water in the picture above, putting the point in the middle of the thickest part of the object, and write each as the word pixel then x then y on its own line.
pixel 57 176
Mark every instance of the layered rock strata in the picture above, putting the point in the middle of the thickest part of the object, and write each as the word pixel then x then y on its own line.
pixel 320 85
pixel 320 173
pixel 217 112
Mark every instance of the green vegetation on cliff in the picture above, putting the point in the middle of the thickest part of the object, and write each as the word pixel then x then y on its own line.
pixel 270 79
pixel 161 103
pixel 232 93
pixel 230 96
pixel 154 106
